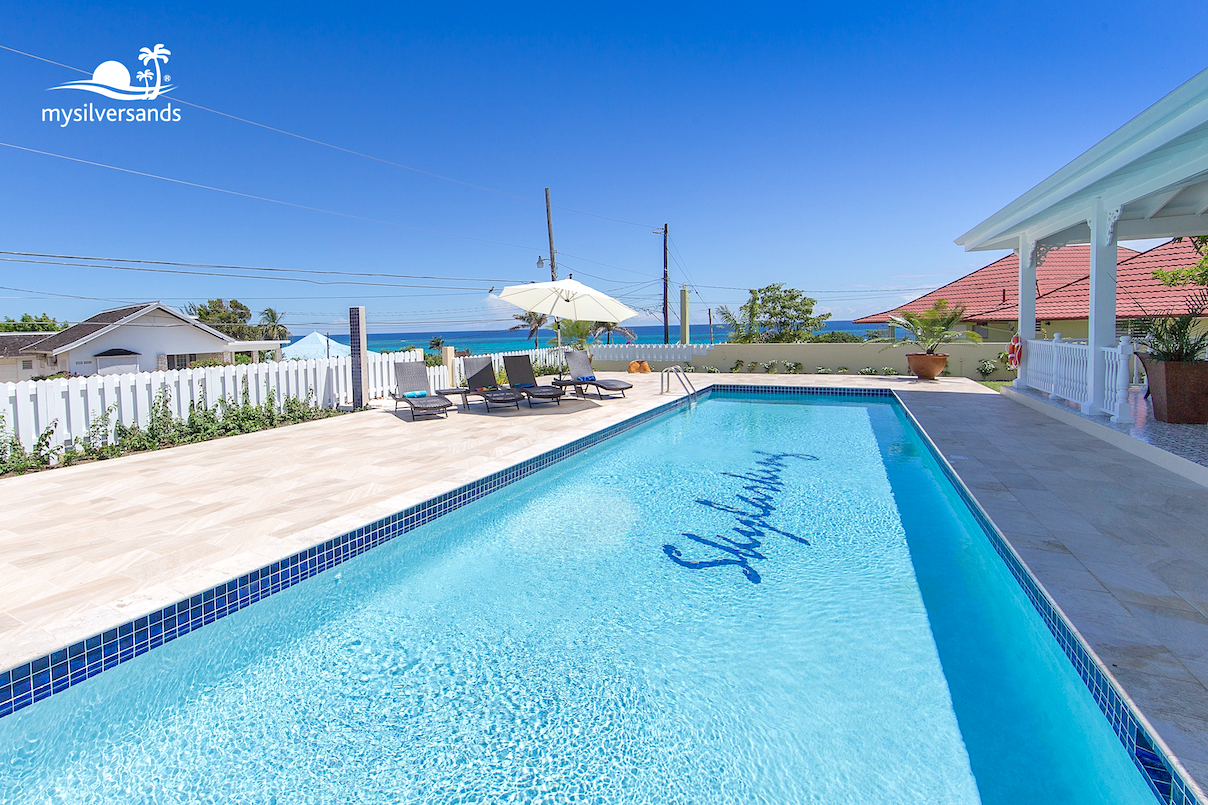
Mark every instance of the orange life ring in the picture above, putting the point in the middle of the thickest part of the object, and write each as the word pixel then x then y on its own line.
pixel 1015 351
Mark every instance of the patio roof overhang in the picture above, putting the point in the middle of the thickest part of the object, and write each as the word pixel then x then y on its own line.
pixel 1150 175
pixel 1147 179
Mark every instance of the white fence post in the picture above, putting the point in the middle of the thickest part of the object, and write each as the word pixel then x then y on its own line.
pixel 1122 412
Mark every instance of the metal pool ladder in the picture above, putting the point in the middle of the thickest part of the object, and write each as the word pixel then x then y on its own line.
pixel 678 373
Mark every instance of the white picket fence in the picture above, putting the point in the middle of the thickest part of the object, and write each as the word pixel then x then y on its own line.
pixel 1061 369
pixel 29 408
pixel 546 355
pixel 649 352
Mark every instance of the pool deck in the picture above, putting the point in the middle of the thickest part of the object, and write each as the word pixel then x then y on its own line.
pixel 1119 543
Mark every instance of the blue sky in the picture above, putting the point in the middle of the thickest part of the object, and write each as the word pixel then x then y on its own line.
pixel 837 148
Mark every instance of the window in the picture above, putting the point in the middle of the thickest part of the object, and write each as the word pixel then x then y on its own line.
pixel 181 361
pixel 27 364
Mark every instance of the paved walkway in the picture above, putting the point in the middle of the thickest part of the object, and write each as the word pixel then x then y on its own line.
pixel 1118 542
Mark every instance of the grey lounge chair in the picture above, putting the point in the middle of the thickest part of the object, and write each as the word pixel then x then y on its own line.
pixel 522 378
pixel 579 366
pixel 412 377
pixel 481 382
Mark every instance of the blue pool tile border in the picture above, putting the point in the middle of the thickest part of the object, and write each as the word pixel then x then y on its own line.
pixel 56 672
pixel 1165 777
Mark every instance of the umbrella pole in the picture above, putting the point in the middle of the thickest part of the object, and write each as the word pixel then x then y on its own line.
pixel 558 330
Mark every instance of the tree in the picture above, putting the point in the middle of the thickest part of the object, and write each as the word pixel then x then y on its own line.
pixel 231 318
pixel 272 326
pixel 1188 275
pixel 436 343
pixel 607 328
pixel 932 328
pixel 533 322
pixel 574 334
pixel 773 314
pixel 31 324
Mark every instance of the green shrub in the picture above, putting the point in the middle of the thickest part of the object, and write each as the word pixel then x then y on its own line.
pixel 737 366
pixel 986 367
pixel 889 371
pixel 106 439
pixel 822 370
pixel 867 370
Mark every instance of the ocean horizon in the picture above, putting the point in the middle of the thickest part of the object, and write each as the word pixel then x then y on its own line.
pixel 480 342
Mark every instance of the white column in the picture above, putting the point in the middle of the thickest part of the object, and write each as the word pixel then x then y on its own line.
pixel 1102 302
pixel 1026 326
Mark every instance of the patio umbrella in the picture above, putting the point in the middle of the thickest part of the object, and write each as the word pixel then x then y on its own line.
pixel 566 299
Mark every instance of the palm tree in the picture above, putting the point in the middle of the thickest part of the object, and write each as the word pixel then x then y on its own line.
pixel 533 322
pixel 607 328
pixel 574 334
pixel 436 343
pixel 157 54
pixel 272 325
pixel 744 327
pixel 145 77
pixel 930 329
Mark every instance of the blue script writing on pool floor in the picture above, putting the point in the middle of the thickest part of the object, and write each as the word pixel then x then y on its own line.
pixel 752 510
pixel 541 645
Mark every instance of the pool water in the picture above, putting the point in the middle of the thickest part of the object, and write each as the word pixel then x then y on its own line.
pixel 752 601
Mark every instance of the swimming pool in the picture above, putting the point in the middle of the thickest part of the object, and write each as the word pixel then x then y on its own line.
pixel 759 599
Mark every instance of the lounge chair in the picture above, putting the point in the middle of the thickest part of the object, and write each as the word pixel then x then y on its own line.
pixel 582 375
pixel 481 382
pixel 412 388
pixel 522 378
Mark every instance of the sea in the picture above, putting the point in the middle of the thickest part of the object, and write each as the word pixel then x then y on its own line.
pixel 481 342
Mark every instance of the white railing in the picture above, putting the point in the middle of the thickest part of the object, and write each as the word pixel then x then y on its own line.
pixel 1116 380
pixel 648 352
pixel 1061 369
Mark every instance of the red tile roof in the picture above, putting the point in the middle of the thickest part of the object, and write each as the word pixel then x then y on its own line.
pixel 995 287
pixel 1137 292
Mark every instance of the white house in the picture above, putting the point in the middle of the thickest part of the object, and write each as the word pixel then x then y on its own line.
pixel 145 337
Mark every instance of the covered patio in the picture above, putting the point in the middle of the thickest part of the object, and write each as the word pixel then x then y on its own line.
pixel 1148 179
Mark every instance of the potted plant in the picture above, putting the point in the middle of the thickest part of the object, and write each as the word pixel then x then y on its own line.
pixel 1175 368
pixel 930 330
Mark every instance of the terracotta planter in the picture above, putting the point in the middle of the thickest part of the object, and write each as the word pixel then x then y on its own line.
pixel 1179 391
pixel 924 366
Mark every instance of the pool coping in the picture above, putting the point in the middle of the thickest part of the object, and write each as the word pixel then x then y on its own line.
pixel 1159 766
pixel 59 670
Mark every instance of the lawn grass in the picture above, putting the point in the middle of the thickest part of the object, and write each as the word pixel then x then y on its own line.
pixel 995 384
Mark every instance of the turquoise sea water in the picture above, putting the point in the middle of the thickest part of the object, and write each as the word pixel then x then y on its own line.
pixel 752 601
pixel 480 342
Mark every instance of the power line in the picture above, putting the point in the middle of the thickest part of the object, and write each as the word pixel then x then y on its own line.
pixel 266 198
pixel 257 268
pixel 30 261
pixel 339 147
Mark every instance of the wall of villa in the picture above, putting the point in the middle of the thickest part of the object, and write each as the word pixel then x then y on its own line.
pixel 853 357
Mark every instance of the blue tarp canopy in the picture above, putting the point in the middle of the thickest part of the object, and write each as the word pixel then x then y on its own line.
pixel 315 346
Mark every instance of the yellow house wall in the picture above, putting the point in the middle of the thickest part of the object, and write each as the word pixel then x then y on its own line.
pixel 963 360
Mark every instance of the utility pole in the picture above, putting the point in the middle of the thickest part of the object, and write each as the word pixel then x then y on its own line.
pixel 549 222
pixel 710 325
pixel 666 320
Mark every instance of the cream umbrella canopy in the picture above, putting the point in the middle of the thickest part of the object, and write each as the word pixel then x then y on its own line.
pixel 567 299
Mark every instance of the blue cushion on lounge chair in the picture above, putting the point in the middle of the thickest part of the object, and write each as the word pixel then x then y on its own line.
pixel 588 378
pixel 414 394
pixel 526 385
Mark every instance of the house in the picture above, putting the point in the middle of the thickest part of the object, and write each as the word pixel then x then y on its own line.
pixel 13 365
pixel 145 337
pixel 990 295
